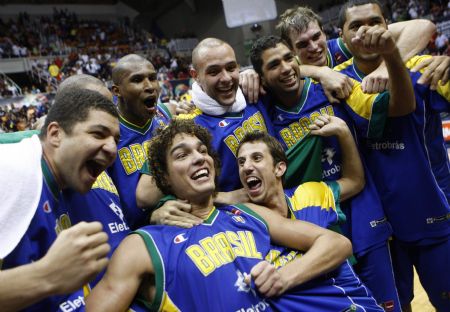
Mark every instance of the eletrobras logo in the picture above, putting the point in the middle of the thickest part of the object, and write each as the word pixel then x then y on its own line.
pixel 242 286
pixel 388 145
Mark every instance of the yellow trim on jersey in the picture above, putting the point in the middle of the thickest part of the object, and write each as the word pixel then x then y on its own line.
pixel 344 65
pixel 105 182
pixel 168 305
pixel 360 102
pixel 443 90
pixel 316 194
pixel 192 115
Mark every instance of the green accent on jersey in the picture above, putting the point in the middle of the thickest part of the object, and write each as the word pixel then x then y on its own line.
pixel 164 108
pixel 378 120
pixel 15 137
pixel 249 211
pixel 344 49
pixel 211 217
pixel 142 130
pixel 304 162
pixel 336 189
pixel 146 168
pixel 158 269
pixel 297 108
pixel 49 179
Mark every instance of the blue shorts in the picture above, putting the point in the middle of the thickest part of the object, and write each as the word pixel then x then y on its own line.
pixel 340 290
pixel 375 270
pixel 432 263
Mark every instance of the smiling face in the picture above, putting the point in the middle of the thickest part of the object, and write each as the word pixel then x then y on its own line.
pixel 258 173
pixel 311 45
pixel 280 71
pixel 138 92
pixel 190 169
pixel 357 16
pixel 217 73
pixel 85 152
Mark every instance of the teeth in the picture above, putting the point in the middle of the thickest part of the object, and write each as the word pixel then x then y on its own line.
pixel 252 179
pixel 198 174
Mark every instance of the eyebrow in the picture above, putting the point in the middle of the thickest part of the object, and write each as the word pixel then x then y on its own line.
pixel 214 66
pixel 183 145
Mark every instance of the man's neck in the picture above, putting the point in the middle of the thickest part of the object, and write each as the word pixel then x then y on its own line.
pixel 202 207
pixel 277 202
pixel 51 165
pixel 366 67
pixel 291 99
pixel 139 121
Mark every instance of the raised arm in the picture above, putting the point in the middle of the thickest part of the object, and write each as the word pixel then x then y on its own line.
pixel 77 256
pixel 412 37
pixel 352 180
pixel 119 286
pixel 377 39
pixel 325 250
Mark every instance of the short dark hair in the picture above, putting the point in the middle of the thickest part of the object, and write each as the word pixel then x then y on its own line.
pixel 275 148
pixel 297 19
pixel 73 105
pixel 258 48
pixel 159 147
pixel 352 3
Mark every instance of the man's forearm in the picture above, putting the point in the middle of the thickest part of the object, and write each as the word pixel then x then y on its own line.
pixel 402 100
pixel 22 286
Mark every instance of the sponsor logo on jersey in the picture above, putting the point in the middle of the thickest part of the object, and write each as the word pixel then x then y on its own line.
pixel 47 207
pixel 179 238
pixel 72 305
pixel 236 211
pixel 328 154
pixel 338 57
pixel 388 306
pixel 241 284
pixel 239 219
pixel 280 117
pixel 116 227
pixel 223 123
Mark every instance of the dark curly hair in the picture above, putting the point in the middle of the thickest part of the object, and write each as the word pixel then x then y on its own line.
pixel 161 143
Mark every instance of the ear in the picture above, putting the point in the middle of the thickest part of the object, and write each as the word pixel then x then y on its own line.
pixel 340 33
pixel 115 90
pixel 280 169
pixel 193 73
pixel 54 134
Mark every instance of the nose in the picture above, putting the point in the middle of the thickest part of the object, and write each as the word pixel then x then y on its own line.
pixel 313 45
pixel 247 167
pixel 225 75
pixel 285 66
pixel 198 158
pixel 149 85
pixel 110 147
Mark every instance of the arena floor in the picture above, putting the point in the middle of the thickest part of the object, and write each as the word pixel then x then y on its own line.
pixel 420 302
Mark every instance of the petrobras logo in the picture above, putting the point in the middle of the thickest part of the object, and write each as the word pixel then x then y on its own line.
pixel 243 283
pixel 179 238
pixel 223 123
pixel 46 207
pixel 117 210
pixel 327 155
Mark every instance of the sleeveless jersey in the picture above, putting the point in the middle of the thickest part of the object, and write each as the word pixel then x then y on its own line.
pixel 366 224
pixel 410 164
pixel 50 219
pixel 203 268
pixel 132 152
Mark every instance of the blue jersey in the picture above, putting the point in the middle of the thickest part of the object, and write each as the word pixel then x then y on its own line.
pixel 337 52
pixel 410 165
pixel 227 131
pixel 203 268
pixel 339 290
pixel 367 226
pixel 100 204
pixel 51 218
pixel 132 152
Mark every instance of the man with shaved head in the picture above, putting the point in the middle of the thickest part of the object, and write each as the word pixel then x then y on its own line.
pixel 136 88
pixel 222 109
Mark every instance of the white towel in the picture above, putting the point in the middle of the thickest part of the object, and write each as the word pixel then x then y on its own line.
pixel 211 107
pixel 20 190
